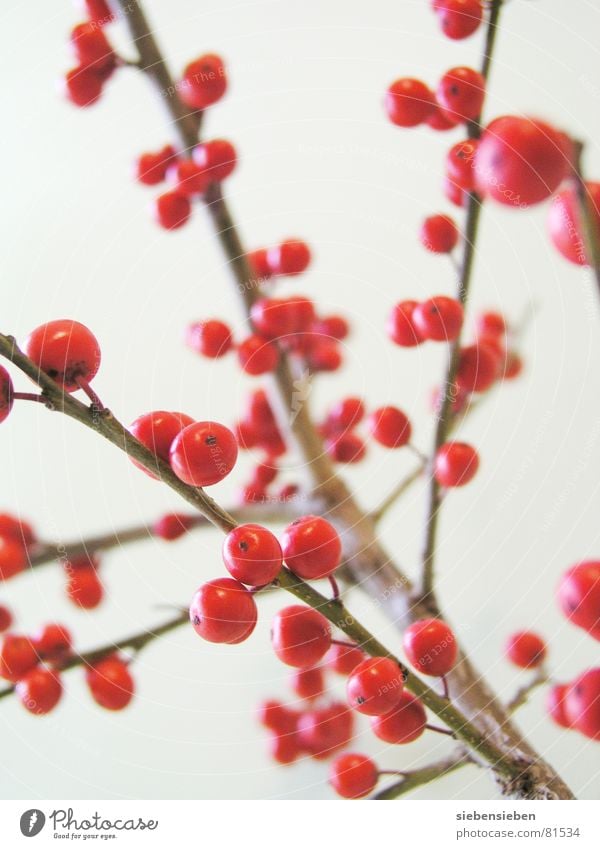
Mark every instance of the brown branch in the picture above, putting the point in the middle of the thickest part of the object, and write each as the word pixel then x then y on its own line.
pixel 418 777
pixel 588 215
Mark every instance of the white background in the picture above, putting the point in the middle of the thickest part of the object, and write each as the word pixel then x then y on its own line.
pixel 319 160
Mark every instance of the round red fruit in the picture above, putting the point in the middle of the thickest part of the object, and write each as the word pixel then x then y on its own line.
pixel 461 92
pixel 401 327
pixel 479 367
pixel 13 557
pixel 300 635
pixel 53 642
pixel 325 730
pixel 375 686
pixel 390 427
pixel 204 81
pixel 579 596
pixel 91 48
pixel 172 526
pixel 39 690
pixel 353 776
pixel 526 649
pixel 440 318
pixel 6 394
pixel 564 222
pixel 439 234
pixel 66 351
pixel 151 168
pixel 460 166
pixel 17 656
pixel 84 588
pixel 203 453
pixel 257 355
pixel 459 18
pixel 211 338
pixel 110 683
pixel 430 647
pixel 456 464
pixel 409 102
pixel 172 210
pixel 582 704
pixel 290 257
pixel 344 659
pixel 157 431
pixel 556 705
pixel 404 723
pixel 217 158
pixel 6 618
pixel 82 86
pixel 188 179
pixel 223 611
pixel 308 683
pixel 252 555
pixel 346 448
pixel 311 547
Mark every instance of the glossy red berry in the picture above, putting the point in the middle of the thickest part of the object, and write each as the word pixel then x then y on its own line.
pixel 375 686
pixel 308 683
pixel 53 642
pixel 325 355
pixel 259 263
pixel 461 92
pixel 290 257
pixel 204 81
pixel 97 11
pixel 17 656
pixel 39 690
pixel 491 324
pixel 439 234
pixel 17 529
pixel 459 18
pixel 211 338
pixel 390 427
pixel 582 704
pixel 456 464
pixel 353 776
pixel 440 120
pixel 324 731
pixel 6 394
pixel 455 193
pixel 6 618
pixel 157 432
pixel 520 161
pixel 152 168
pixel 526 649
pixel 110 683
pixel 334 326
pixel 460 165
pixel 409 102
pixel 404 723
pixel 188 179
pixel 223 611
pixel 556 705
pixel 277 717
pixel 430 646
pixel 440 318
pixel 172 526
pixel 285 748
pixel 13 557
pixel 300 635
pixel 344 659
pixel 257 355
pixel 91 47
pixel 311 547
pixel 172 210
pixel 82 86
pixel 203 453
pixel 66 351
pixel 273 317
pixel 346 448
pixel 401 327
pixel 217 158
pixel 479 366
pixel 579 596
pixel 85 588
pixel 344 415
pixel 564 222
pixel 252 555
pixel 512 366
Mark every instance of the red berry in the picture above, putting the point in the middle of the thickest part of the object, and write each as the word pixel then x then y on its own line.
pixel 82 86
pixel 172 526
pixel 264 474
pixel 97 11
pixel 344 659
pixel 459 18
pixel 461 92
pixel 84 588
pixel 203 453
pixel 17 529
pixel 65 350
pixel 325 356
pixel 556 705
pixel 217 158
pixel 91 47
pixel 409 102
pixel 401 327
pixel 455 193
pixel 151 168
pixel 478 367
pixel 440 120
pixel 430 647
pixel 460 165
pixel 375 686
pixel 285 748
pixel 257 355
pixel 353 776
pixel 308 683
pixel 440 318
pixel 17 656
pixel 277 717
pixel 345 415
pixel 290 257
pixel 323 731
pixel 204 81
pixel 579 596
pixel 39 690
pixel 564 222
pixel 211 338
pixel 439 234
pixel 53 642
pixel 272 317
pixel 456 464
pixel 110 683
pixel 6 618
pixel 346 448
pixel 311 547
pixel 252 555
pixel 259 263
pixel 582 704
pixel 172 210
pixel 404 723
pixel 6 394
pixel 513 365
pixel 520 161
pixel 491 324
pixel 157 432
pixel 333 326
pixel 390 427
pixel 526 649
pixel 13 557
pixel 300 636
pixel 223 611
pixel 188 179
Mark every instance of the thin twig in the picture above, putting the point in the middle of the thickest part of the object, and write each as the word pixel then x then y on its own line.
pixel 418 777
pixel 521 696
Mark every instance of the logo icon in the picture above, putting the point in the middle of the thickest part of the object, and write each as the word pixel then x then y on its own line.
pixel 32 822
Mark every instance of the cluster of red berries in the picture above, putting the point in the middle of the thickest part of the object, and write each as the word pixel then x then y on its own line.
pixel 287 259
pixel 96 60
pixel 457 99
pixel 438 319
pixel 33 665
pixel 388 426
pixel 17 539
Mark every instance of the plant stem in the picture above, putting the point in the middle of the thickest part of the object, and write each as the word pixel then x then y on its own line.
pixel 521 696
pixel 418 777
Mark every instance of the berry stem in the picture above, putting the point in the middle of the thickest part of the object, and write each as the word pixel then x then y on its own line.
pixel 589 229
pixel 439 730
pixel 335 589
pixel 417 777
pixel 520 698
pixel 29 396
pixel 94 398
pixel 446 687
pixel 345 643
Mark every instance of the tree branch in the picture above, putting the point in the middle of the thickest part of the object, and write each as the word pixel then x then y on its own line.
pixel 418 777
